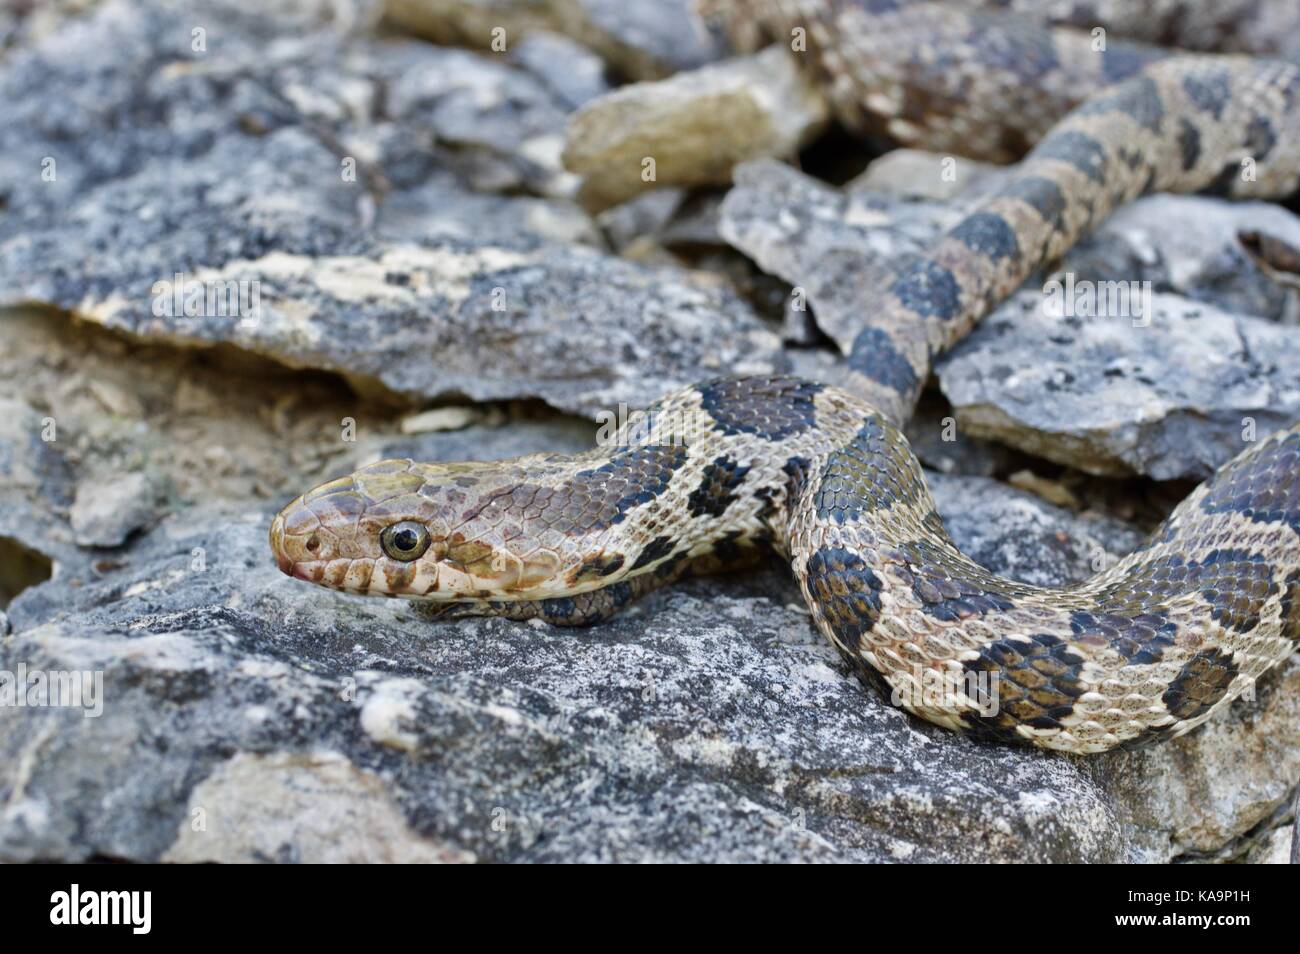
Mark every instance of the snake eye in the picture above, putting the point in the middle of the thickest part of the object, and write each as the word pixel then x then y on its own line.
pixel 404 541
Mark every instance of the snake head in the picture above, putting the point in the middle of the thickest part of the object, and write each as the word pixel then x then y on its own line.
pixel 422 531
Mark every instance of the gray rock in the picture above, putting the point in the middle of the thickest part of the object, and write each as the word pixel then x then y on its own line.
pixel 917 174
pixel 572 71
pixel 443 295
pixel 1175 398
pixel 642 217
pixel 300 808
pixel 694 127
pixel 107 511
pixel 36 490
pixel 939 442
pixel 645 40
pixel 440 208
pixel 487 323
pixel 1189 245
pixel 1020 535
pixel 247 716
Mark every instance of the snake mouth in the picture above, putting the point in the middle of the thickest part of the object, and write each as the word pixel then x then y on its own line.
pixel 276 535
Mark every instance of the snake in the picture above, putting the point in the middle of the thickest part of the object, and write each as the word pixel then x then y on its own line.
pixel 821 474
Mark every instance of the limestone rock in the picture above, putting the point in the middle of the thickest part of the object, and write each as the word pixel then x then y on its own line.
pixel 107 511
pixel 694 127
pixel 1113 395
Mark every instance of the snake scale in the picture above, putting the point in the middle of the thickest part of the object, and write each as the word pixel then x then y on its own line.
pixel 1145 650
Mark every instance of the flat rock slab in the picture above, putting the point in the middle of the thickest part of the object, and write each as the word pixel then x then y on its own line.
pixel 710 722
pixel 312 194
pixel 1174 398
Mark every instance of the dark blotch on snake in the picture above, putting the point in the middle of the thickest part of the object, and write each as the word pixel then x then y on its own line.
pixel 1141 638
pixel 1201 683
pixel 1210 94
pixel 1037 685
pixel 1120 61
pixel 1079 150
pixel 1261 137
pixel 1139 99
pixel 927 288
pixel 604 495
pixel 875 357
pixel 988 234
pixel 845 593
pixel 1041 194
pixel 656 549
pixel 948 586
pixel 717 489
pixel 1291 607
pixel 596 567
pixel 1189 143
pixel 1264 488
pixel 868 473
pixel 772 408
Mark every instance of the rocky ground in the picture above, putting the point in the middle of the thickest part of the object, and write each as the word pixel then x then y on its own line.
pixel 458 257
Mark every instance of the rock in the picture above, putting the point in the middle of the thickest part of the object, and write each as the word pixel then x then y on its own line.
pixel 641 217
pixel 940 444
pixel 107 511
pixel 709 722
pixel 444 296
pixel 572 71
pixel 487 328
pixel 1016 533
pixel 554 435
pixel 440 208
pixel 917 174
pixel 440 419
pixel 497 125
pixel 302 808
pixel 646 40
pixel 694 127
pixel 1203 803
pixel 36 489
pixel 1274 850
pixel 1191 245
pixel 1174 398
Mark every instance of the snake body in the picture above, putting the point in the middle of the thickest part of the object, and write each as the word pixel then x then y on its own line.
pixel 1145 650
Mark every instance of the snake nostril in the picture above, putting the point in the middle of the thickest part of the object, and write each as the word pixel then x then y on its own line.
pixel 313 543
